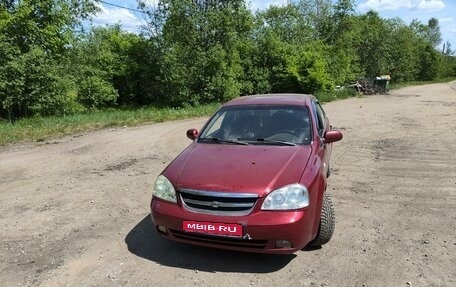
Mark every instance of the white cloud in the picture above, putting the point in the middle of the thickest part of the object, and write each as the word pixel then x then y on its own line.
pixel 446 20
pixel 381 5
pixel 108 15
pixel 430 5
pixel 421 5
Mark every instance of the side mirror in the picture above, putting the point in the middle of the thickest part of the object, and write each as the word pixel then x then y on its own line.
pixel 333 136
pixel 192 134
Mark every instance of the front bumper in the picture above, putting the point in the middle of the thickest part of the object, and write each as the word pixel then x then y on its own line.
pixel 261 230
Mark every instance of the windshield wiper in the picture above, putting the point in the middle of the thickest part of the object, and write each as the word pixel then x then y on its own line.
pixel 276 142
pixel 217 140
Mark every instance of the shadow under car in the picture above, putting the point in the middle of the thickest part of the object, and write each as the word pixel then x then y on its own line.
pixel 145 242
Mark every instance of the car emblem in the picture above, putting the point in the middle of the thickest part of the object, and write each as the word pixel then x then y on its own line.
pixel 215 204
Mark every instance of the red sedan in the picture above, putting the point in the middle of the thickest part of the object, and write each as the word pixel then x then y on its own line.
pixel 254 178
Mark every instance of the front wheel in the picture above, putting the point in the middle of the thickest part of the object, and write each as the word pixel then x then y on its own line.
pixel 327 223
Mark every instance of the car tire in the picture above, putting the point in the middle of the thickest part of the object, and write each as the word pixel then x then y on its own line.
pixel 327 223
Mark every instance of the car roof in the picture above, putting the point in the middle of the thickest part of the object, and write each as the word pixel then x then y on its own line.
pixel 271 99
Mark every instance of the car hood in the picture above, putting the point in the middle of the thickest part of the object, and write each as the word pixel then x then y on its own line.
pixel 237 168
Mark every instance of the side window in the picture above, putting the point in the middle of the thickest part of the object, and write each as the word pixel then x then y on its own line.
pixel 321 119
pixel 215 125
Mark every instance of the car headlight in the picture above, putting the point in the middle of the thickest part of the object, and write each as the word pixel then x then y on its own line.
pixel 293 196
pixel 164 189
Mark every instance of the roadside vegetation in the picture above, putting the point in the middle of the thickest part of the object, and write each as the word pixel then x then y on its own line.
pixel 43 128
pixel 57 76
pixel 399 85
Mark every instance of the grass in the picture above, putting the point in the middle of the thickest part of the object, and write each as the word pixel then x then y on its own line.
pixel 44 128
pixel 325 97
pixel 394 86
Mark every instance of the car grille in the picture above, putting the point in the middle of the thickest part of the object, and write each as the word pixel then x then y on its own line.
pixel 219 203
pixel 219 240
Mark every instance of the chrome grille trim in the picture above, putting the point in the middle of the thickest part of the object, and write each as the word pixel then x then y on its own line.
pixel 219 194
pixel 218 203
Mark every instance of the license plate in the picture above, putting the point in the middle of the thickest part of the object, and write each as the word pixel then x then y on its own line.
pixel 213 228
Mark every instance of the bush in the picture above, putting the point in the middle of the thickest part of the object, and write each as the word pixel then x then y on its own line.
pixel 95 92
pixel 31 85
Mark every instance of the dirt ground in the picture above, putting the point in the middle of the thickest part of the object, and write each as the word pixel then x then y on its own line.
pixel 75 211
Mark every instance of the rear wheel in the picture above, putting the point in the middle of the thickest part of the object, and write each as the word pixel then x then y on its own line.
pixel 327 223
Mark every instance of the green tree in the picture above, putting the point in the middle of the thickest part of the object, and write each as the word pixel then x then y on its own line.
pixel 346 36
pixel 105 61
pixel 430 64
pixel 433 31
pixel 35 37
pixel 48 24
pixel 32 85
pixel 198 45
pixel 290 58
pixel 448 61
pixel 317 14
pixel 429 33
pixel 373 45
pixel 404 51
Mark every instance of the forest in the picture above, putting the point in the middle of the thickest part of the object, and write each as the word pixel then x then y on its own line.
pixel 194 52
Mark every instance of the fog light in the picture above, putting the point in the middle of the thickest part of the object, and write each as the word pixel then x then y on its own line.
pixel 283 244
pixel 162 229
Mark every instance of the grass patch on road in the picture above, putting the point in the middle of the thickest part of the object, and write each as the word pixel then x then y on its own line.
pixel 43 128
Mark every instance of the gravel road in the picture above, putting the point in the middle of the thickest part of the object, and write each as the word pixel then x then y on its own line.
pixel 75 210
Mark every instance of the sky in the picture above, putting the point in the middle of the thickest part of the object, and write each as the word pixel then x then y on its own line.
pixel 407 10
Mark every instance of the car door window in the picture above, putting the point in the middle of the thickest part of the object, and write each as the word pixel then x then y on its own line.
pixel 320 118
pixel 214 126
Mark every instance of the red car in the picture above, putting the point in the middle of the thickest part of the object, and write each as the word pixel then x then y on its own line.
pixel 253 180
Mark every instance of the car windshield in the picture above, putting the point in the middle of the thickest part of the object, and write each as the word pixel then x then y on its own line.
pixel 260 125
